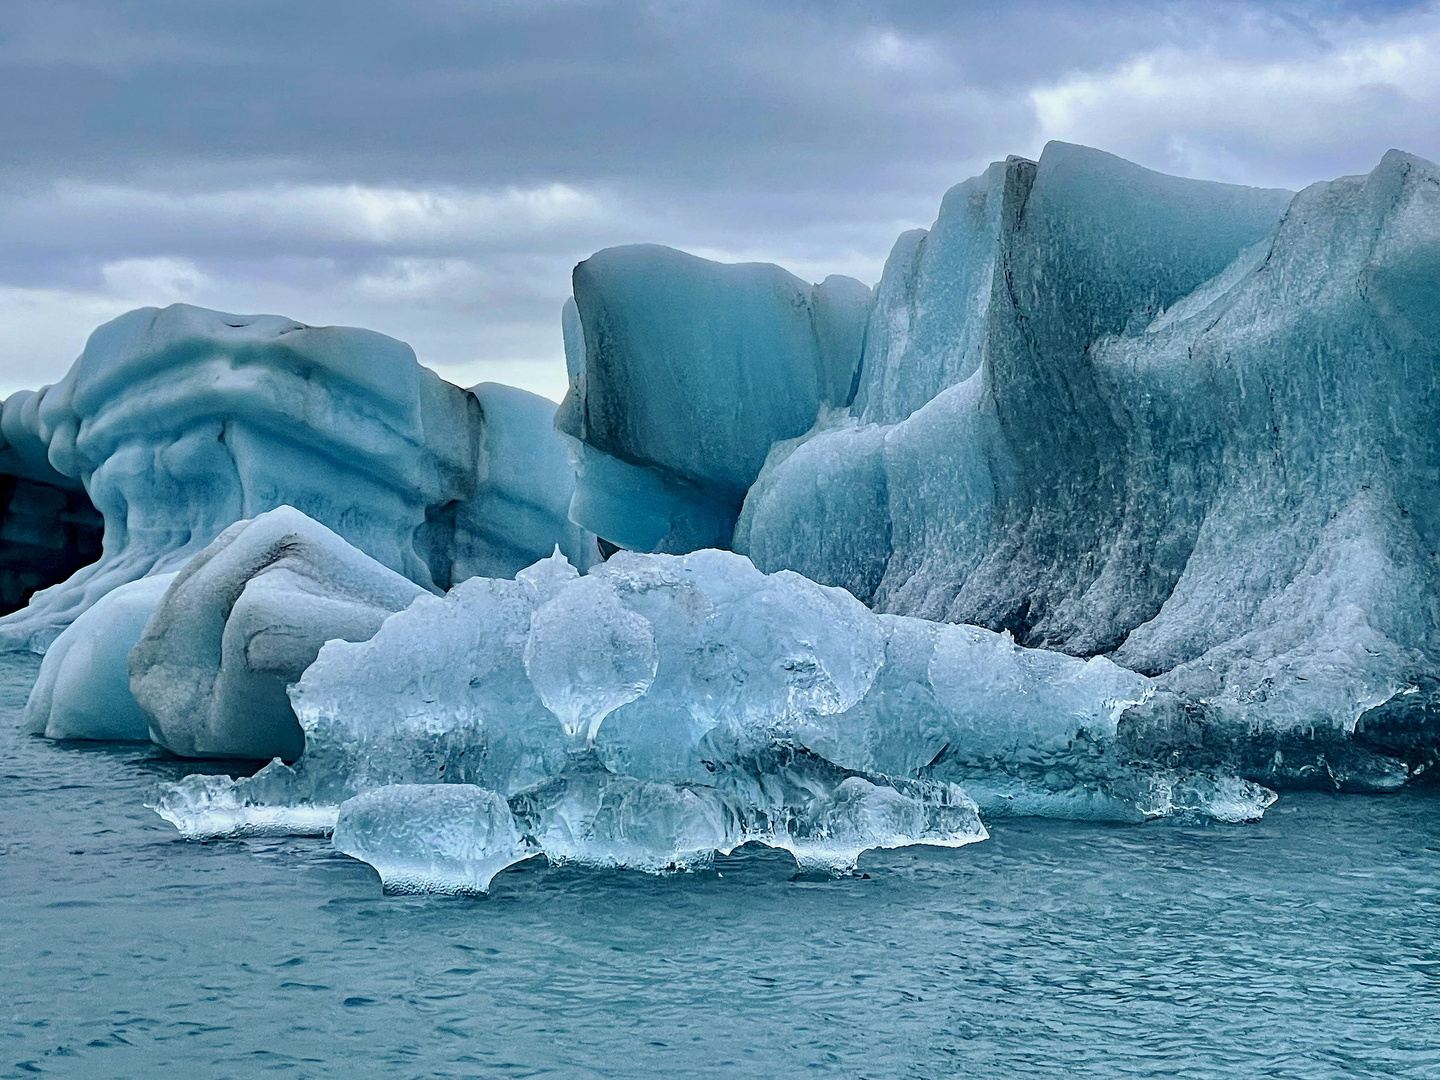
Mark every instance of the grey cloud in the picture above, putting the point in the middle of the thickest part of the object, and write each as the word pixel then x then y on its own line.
pixel 225 136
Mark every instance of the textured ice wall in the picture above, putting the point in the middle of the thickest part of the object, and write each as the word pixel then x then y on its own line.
pixel 178 422
pixel 682 373
pixel 661 708
pixel 1199 440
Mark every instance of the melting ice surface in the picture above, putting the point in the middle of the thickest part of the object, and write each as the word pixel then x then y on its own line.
pixel 662 709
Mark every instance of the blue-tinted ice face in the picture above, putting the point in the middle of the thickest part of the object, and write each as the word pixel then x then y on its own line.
pixel 683 372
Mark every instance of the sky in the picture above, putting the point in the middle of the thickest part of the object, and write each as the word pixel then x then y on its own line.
pixel 433 169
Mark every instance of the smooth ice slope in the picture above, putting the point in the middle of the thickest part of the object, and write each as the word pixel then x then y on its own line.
pixel 242 621
pixel 178 422
pixel 661 708
pixel 682 373
pixel 83 691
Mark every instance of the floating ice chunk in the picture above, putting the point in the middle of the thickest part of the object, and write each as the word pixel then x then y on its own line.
pixel 454 837
pixel 757 695
pixel 591 817
pixel 445 838
pixel 1156 458
pixel 204 805
pixel 833 829
pixel 83 690
pixel 242 621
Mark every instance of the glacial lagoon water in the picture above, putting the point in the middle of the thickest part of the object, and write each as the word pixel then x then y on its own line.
pixel 1307 945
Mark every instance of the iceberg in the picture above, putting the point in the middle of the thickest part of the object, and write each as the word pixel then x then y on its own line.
pixel 1115 499
pixel 1189 436
pixel 174 423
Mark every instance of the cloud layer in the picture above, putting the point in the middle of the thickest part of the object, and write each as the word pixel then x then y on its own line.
pixel 433 169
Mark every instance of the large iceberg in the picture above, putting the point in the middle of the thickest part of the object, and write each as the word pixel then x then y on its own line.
pixel 177 422
pixel 661 708
pixel 1115 499
pixel 1181 424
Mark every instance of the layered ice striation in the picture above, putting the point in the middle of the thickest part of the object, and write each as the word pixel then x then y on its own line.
pixel 661 708
pixel 176 422
pixel 683 372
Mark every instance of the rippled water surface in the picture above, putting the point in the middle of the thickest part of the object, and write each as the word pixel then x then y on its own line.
pixel 1305 946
